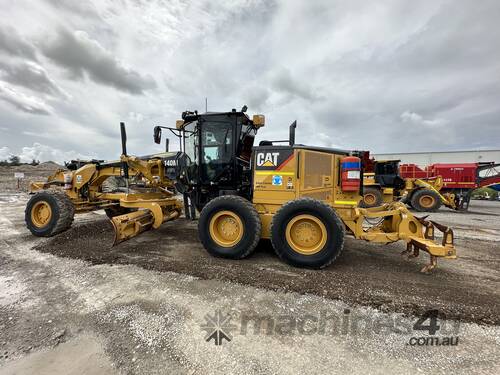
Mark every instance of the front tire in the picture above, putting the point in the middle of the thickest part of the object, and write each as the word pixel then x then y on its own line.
pixel 48 213
pixel 425 200
pixel 307 233
pixel 229 227
pixel 372 197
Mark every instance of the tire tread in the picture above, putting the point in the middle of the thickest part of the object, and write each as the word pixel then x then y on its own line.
pixel 415 200
pixel 318 205
pixel 65 212
pixel 254 217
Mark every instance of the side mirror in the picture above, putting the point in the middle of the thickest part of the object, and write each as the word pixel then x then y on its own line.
pixel 157 134
pixel 167 142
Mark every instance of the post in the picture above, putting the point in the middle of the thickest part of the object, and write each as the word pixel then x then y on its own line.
pixel 18 176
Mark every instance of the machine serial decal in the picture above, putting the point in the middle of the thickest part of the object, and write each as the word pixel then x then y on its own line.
pixel 170 163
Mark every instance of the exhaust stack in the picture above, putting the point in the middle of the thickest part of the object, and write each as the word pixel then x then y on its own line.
pixel 291 138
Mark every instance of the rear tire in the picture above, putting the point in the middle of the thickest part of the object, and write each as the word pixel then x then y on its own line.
pixel 48 213
pixel 229 227
pixel 372 197
pixel 425 200
pixel 307 233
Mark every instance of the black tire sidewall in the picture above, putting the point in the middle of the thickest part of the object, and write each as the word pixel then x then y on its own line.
pixel 415 200
pixel 49 228
pixel 335 234
pixel 241 249
pixel 378 195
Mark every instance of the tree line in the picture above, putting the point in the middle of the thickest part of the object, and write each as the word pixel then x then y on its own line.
pixel 15 160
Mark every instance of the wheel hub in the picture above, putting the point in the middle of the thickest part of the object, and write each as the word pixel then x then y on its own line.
pixel 306 234
pixel 369 198
pixel 229 227
pixel 226 228
pixel 41 213
pixel 427 201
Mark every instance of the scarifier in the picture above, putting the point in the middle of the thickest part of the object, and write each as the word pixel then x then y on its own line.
pixel 303 198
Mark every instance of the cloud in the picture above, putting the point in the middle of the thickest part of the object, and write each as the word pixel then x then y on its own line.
pixel 29 75
pixel 23 102
pixel 283 81
pixel 43 153
pixel 79 55
pixel 5 153
pixel 355 75
pixel 416 119
pixel 13 44
pixel 81 8
pixel 137 117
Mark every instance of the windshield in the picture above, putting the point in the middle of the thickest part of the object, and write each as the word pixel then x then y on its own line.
pixel 190 141
pixel 216 141
pixel 217 150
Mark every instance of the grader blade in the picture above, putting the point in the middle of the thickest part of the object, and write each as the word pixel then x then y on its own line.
pixel 134 223
pixel 131 224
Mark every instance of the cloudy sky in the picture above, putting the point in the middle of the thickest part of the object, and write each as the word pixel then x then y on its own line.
pixel 388 76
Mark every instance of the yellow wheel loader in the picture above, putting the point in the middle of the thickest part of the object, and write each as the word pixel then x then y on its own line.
pixel 385 185
pixel 303 198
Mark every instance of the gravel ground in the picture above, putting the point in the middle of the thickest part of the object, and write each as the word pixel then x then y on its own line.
pixel 73 304
pixel 368 274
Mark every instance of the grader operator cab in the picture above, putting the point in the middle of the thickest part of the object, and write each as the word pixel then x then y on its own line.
pixel 303 198
pixel 216 150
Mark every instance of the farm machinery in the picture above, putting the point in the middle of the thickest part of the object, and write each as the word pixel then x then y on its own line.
pixel 305 199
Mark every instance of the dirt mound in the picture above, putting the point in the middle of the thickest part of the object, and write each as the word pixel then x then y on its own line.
pixel 46 166
pixel 32 173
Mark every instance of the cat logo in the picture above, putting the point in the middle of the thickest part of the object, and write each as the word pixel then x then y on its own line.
pixel 267 159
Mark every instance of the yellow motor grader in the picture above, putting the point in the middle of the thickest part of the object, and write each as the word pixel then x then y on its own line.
pixel 303 198
pixel 144 201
